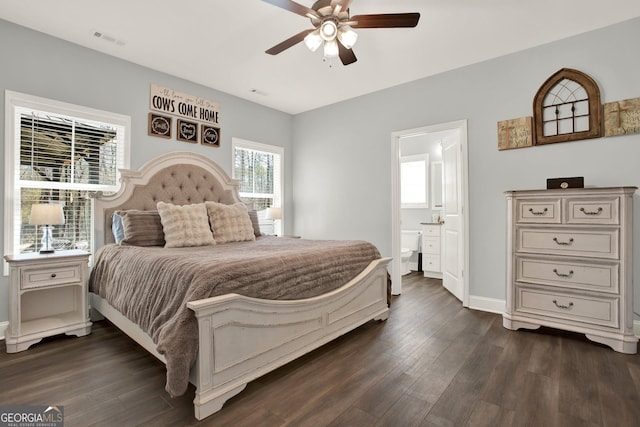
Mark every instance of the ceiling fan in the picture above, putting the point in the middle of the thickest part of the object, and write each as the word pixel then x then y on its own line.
pixel 333 27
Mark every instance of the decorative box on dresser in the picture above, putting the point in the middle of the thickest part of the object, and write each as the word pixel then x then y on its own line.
pixel 47 296
pixel 432 249
pixel 570 263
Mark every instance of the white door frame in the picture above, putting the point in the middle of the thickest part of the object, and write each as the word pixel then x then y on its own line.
pixel 396 266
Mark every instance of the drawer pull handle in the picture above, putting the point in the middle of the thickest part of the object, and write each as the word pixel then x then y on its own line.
pixel 586 212
pixel 569 243
pixel 53 275
pixel 566 275
pixel 539 213
pixel 566 307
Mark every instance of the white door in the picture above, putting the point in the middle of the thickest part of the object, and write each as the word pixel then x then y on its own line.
pixel 453 252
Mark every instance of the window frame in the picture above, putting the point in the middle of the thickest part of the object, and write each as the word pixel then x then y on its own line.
pixel 14 103
pixel 593 94
pixel 278 199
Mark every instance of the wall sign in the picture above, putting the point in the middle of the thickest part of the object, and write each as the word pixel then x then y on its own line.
pixel 180 104
pixel 159 125
pixel 210 136
pixel 622 117
pixel 187 131
pixel 515 133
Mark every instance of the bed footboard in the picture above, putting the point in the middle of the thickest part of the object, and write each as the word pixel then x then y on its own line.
pixel 243 338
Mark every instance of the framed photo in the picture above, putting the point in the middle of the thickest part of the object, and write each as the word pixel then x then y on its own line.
pixel 187 131
pixel 159 126
pixel 210 136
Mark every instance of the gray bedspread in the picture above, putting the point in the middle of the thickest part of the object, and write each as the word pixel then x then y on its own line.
pixel 152 285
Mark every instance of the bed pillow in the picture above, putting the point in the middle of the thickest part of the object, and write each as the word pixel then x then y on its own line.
pixel 141 228
pixel 186 225
pixel 253 216
pixel 230 223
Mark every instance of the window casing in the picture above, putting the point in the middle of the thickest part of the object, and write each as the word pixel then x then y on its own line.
pixel 258 168
pixel 58 153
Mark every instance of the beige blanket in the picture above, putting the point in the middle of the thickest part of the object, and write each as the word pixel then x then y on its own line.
pixel 151 285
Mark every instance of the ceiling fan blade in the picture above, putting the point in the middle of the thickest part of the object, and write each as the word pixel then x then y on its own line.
pixel 291 41
pixel 294 7
pixel 344 4
pixel 346 55
pixel 386 20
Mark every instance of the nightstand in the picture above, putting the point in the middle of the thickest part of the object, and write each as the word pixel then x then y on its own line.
pixel 47 296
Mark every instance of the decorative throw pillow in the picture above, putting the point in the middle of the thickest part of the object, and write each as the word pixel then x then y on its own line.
pixel 141 228
pixel 253 216
pixel 230 223
pixel 117 228
pixel 186 225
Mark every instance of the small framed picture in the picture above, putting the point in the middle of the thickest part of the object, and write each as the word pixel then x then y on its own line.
pixel 210 136
pixel 159 126
pixel 187 131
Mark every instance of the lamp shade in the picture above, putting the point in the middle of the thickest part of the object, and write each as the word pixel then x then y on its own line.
pixel 46 214
pixel 273 213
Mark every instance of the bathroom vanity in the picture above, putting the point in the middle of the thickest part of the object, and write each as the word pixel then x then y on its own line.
pixel 432 249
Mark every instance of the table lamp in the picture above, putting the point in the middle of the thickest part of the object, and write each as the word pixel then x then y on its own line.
pixel 274 214
pixel 46 214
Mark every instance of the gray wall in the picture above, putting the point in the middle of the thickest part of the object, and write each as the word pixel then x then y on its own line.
pixel 342 152
pixel 40 65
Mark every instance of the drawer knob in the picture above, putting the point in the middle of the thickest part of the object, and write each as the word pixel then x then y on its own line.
pixel 539 213
pixel 565 275
pixel 566 307
pixel 586 212
pixel 568 243
pixel 53 275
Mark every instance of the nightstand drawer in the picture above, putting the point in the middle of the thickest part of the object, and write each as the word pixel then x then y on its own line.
pixel 595 244
pixel 602 277
pixel 589 211
pixel 588 309
pixel 50 276
pixel 538 211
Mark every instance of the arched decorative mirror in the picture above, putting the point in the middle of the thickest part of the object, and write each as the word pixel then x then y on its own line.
pixel 567 108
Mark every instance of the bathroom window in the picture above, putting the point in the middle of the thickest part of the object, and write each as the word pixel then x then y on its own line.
pixel 414 181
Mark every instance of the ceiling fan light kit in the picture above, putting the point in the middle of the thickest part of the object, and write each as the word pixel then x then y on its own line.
pixel 333 27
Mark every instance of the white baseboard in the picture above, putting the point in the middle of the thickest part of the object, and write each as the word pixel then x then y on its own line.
pixel 491 305
pixel 3 328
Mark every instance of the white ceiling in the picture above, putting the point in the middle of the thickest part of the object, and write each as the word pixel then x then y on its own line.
pixel 221 44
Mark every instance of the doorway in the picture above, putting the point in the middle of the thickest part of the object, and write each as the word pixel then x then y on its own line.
pixel 455 259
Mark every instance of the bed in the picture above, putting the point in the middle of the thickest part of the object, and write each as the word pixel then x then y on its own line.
pixel 219 337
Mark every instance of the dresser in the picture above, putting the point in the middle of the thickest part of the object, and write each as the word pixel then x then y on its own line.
pixel 570 263
pixel 47 296
pixel 432 249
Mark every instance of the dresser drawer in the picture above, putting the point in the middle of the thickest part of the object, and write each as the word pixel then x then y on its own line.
pixel 593 211
pixel 431 263
pixel 545 211
pixel 563 241
pixel 50 276
pixel 431 245
pixel 576 275
pixel 586 309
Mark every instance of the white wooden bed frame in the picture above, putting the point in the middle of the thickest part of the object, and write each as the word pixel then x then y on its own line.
pixel 242 338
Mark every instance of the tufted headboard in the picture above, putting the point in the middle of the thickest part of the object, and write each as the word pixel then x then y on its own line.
pixel 180 178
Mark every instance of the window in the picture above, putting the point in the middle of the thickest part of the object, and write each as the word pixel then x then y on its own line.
pixel 414 181
pixel 567 108
pixel 258 167
pixel 58 153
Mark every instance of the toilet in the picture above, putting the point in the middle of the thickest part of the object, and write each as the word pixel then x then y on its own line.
pixel 410 242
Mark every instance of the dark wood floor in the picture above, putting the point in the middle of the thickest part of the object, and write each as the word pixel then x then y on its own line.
pixel 433 363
